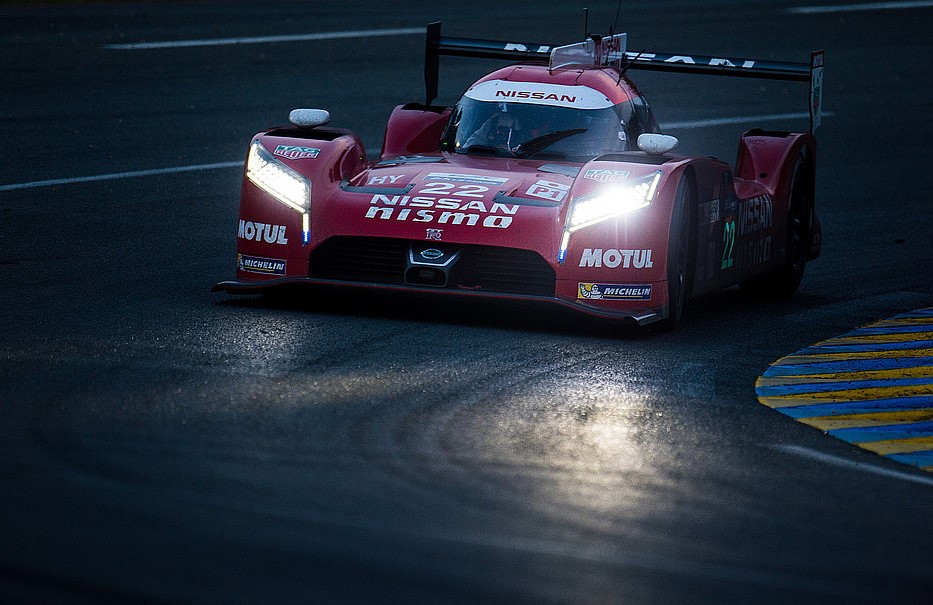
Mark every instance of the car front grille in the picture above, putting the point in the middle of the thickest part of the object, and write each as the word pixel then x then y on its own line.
pixel 490 269
pixel 364 259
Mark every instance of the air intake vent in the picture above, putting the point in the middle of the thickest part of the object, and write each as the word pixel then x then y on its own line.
pixel 364 259
pixel 476 268
pixel 505 270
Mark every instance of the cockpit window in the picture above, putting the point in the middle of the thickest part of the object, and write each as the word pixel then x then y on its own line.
pixel 522 129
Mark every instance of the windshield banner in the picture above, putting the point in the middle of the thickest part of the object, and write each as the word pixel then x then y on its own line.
pixel 555 95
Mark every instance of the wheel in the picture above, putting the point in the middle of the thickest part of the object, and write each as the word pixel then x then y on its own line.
pixel 678 256
pixel 783 282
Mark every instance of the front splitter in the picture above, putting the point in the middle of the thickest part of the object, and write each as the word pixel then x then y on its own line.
pixel 640 317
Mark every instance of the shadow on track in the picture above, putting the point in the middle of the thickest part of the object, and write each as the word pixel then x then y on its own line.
pixel 408 307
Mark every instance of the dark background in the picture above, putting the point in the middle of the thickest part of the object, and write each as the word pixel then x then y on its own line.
pixel 162 444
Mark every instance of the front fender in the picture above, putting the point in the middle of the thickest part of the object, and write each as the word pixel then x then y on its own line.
pixel 272 238
pixel 628 254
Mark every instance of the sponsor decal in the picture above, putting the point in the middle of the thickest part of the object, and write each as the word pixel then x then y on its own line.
pixel 387 179
pixel 524 48
pixel 539 93
pixel 816 89
pixel 612 258
pixel 441 211
pixel 653 57
pixel 709 212
pixel 606 176
pixel 258 264
pixel 592 291
pixel 754 253
pixel 548 190
pixel 294 152
pixel 477 179
pixel 262 232
pixel 433 234
pixel 755 214
pixel 527 94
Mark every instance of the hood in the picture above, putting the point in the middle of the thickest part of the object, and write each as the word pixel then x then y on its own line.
pixel 461 199
pixel 467 200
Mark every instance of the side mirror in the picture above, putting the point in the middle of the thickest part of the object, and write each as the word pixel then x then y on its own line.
pixel 309 118
pixel 656 144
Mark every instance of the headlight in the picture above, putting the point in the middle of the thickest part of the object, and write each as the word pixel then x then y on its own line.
pixel 609 202
pixel 612 201
pixel 277 179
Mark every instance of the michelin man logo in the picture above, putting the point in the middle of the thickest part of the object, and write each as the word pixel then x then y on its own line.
pixel 590 291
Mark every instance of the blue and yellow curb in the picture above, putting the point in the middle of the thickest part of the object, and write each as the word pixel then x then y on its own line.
pixel 872 387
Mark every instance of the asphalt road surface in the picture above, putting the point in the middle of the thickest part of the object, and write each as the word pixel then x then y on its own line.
pixel 161 444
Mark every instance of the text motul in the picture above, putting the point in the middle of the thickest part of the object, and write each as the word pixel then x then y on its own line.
pixel 262 232
pixel 612 258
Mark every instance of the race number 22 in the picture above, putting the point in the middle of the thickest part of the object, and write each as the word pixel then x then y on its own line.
pixel 728 240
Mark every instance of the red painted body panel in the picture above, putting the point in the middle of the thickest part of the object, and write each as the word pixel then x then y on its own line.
pixel 414 129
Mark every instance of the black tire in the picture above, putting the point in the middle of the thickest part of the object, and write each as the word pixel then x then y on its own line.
pixel 679 274
pixel 784 282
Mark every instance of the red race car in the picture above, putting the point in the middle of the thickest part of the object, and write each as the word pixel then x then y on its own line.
pixel 548 181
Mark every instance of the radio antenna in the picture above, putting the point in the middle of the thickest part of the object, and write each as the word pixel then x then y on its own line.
pixel 628 63
pixel 615 24
pixel 586 23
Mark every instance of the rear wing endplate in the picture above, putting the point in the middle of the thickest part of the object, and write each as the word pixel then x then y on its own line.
pixel 812 72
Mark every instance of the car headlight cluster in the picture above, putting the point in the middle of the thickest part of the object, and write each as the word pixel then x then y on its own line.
pixel 277 179
pixel 612 201
pixel 607 203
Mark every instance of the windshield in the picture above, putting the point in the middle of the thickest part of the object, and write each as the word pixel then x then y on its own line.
pixel 508 129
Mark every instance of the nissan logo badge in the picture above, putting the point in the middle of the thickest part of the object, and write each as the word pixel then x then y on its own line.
pixel 431 254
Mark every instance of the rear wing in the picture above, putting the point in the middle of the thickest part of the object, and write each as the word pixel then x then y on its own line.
pixel 812 72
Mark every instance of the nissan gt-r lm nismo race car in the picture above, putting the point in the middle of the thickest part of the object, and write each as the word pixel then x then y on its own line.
pixel 548 181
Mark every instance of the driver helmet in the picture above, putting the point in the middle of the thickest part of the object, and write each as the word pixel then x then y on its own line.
pixel 504 126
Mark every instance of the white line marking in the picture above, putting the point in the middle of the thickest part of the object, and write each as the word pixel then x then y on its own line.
pixel 804 452
pixel 118 175
pixel 847 8
pixel 365 33
pixel 740 120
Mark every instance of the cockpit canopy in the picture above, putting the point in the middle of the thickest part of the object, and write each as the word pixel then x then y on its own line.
pixel 544 121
